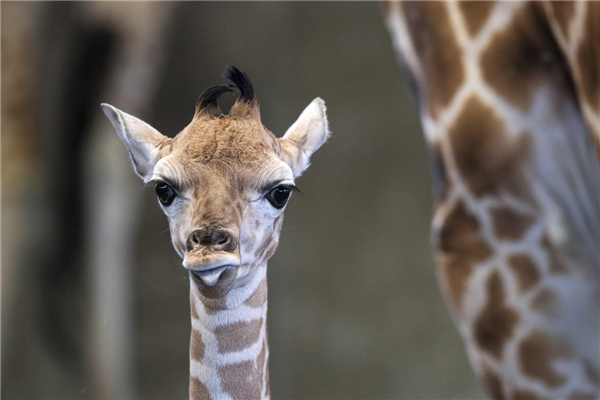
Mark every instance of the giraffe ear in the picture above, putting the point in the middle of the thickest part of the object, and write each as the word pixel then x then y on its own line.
pixel 305 136
pixel 145 144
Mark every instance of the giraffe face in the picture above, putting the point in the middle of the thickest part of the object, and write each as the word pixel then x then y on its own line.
pixel 223 181
pixel 226 190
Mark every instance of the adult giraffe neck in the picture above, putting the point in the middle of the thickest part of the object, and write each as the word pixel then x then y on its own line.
pixel 228 346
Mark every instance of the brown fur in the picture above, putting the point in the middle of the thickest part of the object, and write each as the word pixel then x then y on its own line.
pixel 198 391
pixel 486 158
pixel 461 247
pixel 525 270
pixel 537 352
pixel 437 49
pixel 247 380
pixel 475 13
pixel 259 297
pixel 497 320
pixel 238 336
pixel 196 346
pixel 510 224
pixel 524 52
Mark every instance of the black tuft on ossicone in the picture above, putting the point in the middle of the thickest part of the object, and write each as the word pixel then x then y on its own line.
pixel 241 81
pixel 209 97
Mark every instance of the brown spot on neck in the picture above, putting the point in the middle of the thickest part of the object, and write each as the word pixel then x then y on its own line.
pixel 238 336
pixel 242 381
pixel 487 159
pixel 475 13
pixel 460 247
pixel 198 390
pixel 510 224
pixel 525 270
pixel 522 56
pixel 537 353
pixel 197 347
pixel 438 51
pixel 496 322
pixel 259 297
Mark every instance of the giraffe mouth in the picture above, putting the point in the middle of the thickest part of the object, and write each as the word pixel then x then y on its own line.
pixel 208 270
pixel 210 277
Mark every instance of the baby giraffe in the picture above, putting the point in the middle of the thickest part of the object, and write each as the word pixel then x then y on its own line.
pixel 223 183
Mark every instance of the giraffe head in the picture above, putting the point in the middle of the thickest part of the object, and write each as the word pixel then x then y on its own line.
pixel 223 181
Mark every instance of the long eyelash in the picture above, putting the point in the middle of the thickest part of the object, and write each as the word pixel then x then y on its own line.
pixel 294 188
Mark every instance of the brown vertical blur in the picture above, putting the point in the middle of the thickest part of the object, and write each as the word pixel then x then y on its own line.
pixel 94 300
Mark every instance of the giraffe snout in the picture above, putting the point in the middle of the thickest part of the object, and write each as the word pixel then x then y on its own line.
pixel 211 239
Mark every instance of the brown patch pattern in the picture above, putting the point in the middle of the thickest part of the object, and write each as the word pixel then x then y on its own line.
pixel 510 224
pixel 486 158
pixel 475 13
pixel 537 353
pixel 259 297
pixel 238 336
pixel 496 322
pixel 244 378
pixel 521 56
pixel 198 391
pixel 461 247
pixel 197 346
pixel 437 49
pixel 525 270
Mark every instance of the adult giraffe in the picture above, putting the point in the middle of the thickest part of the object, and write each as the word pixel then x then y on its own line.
pixel 509 97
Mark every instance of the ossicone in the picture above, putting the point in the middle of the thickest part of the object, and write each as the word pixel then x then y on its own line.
pixel 245 105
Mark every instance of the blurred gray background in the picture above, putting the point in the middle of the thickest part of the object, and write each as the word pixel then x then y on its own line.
pixel 95 303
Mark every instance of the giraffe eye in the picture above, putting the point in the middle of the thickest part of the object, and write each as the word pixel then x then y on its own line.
pixel 279 196
pixel 165 193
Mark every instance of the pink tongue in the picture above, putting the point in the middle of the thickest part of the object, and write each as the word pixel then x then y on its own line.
pixel 211 276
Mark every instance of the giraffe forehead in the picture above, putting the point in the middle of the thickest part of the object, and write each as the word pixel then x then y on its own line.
pixel 233 140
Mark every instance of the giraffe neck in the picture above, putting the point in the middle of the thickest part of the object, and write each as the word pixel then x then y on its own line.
pixel 228 348
pixel 516 221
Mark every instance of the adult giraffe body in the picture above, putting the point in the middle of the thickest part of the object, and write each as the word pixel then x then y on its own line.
pixel 509 97
pixel 223 183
